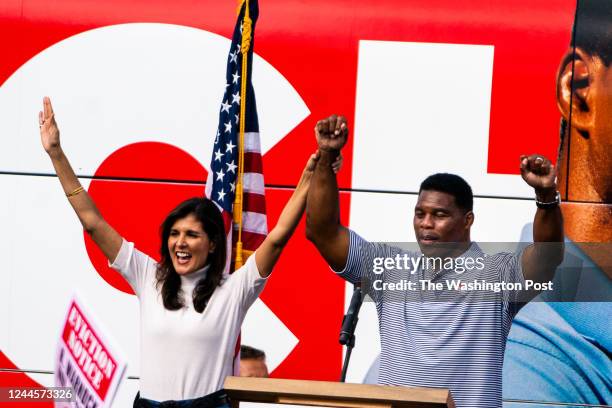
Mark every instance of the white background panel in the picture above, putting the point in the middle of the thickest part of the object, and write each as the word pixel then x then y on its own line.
pixel 6 217
pixel 501 220
pixel 496 220
pixel 117 91
pixel 425 110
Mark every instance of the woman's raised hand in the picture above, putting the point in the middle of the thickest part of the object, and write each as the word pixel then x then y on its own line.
pixel 314 158
pixel 337 165
pixel 49 132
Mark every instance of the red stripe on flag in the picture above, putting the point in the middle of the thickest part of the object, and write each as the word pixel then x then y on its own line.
pixel 253 162
pixel 254 203
pixel 250 240
pixel 227 221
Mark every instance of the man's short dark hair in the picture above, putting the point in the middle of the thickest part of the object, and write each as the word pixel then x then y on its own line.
pixel 251 353
pixel 593 28
pixel 451 184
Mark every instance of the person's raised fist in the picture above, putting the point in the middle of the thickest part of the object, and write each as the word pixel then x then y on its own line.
pixel 539 173
pixel 332 133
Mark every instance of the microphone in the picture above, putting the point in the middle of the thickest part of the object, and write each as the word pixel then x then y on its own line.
pixel 349 322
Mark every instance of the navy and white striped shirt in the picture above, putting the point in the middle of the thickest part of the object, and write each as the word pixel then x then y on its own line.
pixel 457 344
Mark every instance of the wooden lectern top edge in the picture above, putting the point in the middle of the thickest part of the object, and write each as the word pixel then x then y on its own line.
pixel 328 389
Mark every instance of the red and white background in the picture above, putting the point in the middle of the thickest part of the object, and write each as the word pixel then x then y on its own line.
pixel 427 86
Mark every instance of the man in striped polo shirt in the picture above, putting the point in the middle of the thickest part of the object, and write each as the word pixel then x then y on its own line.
pixel 433 337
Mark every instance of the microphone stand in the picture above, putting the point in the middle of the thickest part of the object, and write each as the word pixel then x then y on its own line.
pixel 347 332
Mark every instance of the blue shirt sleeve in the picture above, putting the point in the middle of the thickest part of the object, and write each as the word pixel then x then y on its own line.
pixel 548 360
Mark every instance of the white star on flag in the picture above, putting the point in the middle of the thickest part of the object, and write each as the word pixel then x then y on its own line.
pixel 230 147
pixel 225 106
pixel 220 175
pixel 221 195
pixel 228 126
pixel 231 167
pixel 236 98
pixel 218 155
pixel 233 187
pixel 235 77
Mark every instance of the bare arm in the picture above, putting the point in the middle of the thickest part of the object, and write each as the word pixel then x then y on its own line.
pixel 323 226
pixel 101 232
pixel 541 259
pixel 269 251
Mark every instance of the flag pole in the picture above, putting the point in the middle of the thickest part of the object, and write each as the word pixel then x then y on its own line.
pixel 238 201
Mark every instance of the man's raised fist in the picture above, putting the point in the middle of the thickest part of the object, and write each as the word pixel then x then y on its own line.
pixel 539 173
pixel 331 133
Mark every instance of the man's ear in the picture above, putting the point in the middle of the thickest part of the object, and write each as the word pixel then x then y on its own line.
pixel 579 80
pixel 469 219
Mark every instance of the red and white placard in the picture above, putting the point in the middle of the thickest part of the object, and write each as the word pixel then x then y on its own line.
pixel 87 359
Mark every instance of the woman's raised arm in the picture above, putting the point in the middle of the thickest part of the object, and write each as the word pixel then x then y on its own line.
pixel 100 231
pixel 269 251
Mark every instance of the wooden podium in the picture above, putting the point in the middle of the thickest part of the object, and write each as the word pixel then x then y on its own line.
pixel 333 394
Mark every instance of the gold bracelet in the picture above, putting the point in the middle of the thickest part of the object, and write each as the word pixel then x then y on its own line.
pixel 75 191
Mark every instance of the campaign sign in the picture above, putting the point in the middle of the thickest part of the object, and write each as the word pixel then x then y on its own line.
pixel 87 360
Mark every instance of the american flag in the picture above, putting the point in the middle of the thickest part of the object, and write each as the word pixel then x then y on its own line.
pixel 221 186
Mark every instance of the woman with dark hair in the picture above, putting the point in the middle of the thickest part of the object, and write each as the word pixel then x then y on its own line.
pixel 202 211
pixel 190 312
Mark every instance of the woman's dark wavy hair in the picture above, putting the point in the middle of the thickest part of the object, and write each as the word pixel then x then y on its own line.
pixel 209 216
